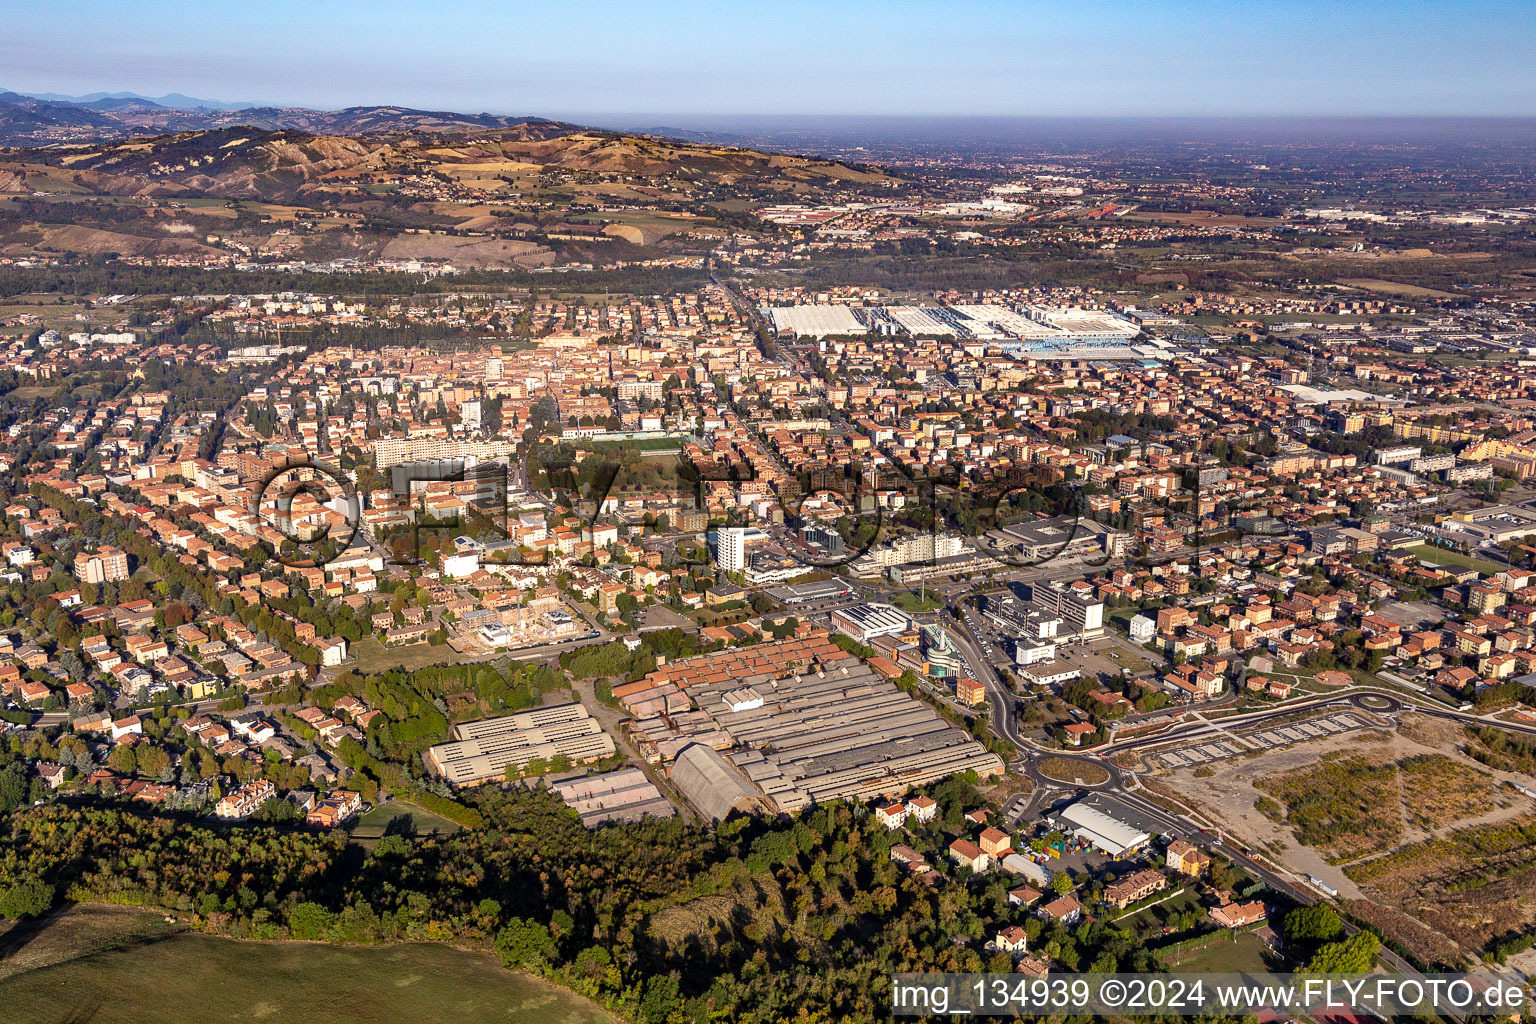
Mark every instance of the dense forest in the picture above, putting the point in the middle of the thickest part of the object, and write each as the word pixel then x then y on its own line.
pixel 752 921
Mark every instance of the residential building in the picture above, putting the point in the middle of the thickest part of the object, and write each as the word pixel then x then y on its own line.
pixel 105 565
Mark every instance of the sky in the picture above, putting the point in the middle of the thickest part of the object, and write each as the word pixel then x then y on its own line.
pixel 575 58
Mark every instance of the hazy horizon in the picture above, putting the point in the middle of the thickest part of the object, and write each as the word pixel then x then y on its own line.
pixel 1100 58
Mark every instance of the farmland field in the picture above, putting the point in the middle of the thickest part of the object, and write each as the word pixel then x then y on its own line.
pixel 191 979
pixel 1394 288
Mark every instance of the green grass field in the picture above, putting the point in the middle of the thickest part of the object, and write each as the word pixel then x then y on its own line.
pixel 373 656
pixel 376 822
pixel 1150 920
pixel 913 604
pixel 1443 556
pixel 31 391
pixel 661 445
pixel 192 979
pixel 1243 951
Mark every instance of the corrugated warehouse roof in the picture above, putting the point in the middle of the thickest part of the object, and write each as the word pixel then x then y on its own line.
pixel 711 785
pixel 1108 833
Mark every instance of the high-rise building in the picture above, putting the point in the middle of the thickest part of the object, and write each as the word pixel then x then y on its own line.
pixel 1081 612
pixel 731 548
pixel 107 565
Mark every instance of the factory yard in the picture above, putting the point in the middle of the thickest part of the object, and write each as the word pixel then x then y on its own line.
pixel 788 724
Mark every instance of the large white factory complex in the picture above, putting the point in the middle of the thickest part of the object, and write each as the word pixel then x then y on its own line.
pixel 1021 329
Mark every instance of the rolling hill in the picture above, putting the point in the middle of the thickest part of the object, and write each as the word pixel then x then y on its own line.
pixel 287 164
pixel 423 186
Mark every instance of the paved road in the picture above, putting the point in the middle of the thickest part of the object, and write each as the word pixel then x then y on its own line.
pixel 1000 698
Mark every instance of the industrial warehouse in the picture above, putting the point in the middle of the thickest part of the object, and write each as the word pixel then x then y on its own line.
pixel 1107 825
pixel 485 748
pixel 625 795
pixel 791 724
pixel 1023 326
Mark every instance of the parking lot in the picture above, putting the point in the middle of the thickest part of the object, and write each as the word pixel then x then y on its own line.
pixel 1411 615
pixel 1101 659
pixel 1194 755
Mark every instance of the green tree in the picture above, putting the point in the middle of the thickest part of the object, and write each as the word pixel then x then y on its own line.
pixel 1354 955
pixel 1316 923
pixel 122 760
pixel 13 786
pixel 310 921
pixel 661 1000
pixel 525 944
pixel 31 898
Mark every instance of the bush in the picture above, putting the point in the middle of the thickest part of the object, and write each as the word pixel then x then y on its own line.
pixel 526 944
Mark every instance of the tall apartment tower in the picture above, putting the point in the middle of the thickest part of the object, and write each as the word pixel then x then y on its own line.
pixel 731 548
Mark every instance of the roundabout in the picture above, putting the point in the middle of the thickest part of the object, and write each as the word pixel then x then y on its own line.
pixel 1376 702
pixel 1072 771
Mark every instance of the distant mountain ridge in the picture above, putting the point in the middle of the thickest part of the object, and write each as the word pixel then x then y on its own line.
pixel 322 161
pixel 175 100
pixel 30 121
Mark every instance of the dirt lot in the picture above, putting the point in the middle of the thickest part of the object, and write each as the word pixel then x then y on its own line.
pixel 1455 874
pixel 470 252
pixel 1474 885
pixel 1229 796
pixel 1366 804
